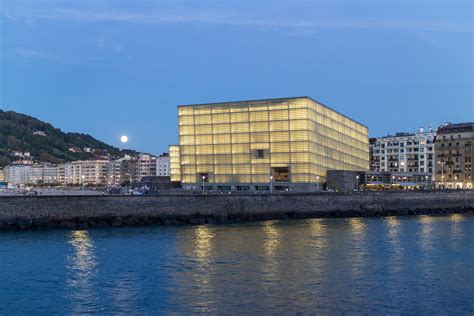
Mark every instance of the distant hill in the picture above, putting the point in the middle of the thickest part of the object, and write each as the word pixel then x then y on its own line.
pixel 20 133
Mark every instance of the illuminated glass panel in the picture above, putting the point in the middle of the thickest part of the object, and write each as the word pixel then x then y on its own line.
pixel 241 141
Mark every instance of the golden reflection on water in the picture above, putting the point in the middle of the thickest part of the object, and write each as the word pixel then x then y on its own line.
pixel 456 230
pixel 271 242
pixel 82 266
pixel 272 238
pixel 318 232
pixel 426 232
pixel 357 228
pixel 359 249
pixel 203 239
pixel 456 218
pixel 393 224
pixel 393 236
pixel 203 252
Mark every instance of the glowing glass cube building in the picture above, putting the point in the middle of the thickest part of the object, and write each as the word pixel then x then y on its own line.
pixel 286 143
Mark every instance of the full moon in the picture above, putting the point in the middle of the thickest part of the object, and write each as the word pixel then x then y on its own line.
pixel 124 139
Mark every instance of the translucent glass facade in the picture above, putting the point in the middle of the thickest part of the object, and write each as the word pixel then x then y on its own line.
pixel 175 164
pixel 293 140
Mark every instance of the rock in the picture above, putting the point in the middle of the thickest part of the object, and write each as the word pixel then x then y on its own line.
pixel 24 223
pixel 118 221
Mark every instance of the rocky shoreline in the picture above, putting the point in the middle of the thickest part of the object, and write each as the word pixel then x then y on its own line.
pixel 80 212
pixel 22 223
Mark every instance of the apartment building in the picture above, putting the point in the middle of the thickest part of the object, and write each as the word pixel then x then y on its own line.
pixel 404 152
pixel 163 165
pixel 83 172
pixel 42 174
pixel 142 166
pixel 16 174
pixel 454 156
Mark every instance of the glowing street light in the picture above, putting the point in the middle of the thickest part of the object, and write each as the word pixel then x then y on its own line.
pixel 203 178
pixel 271 184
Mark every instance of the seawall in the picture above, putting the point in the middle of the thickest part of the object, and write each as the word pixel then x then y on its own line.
pixel 36 212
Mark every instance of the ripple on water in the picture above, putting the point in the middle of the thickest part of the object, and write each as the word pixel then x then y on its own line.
pixel 328 266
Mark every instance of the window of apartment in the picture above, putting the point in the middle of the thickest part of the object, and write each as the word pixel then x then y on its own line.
pixel 422 156
pixel 422 169
pixel 402 144
pixel 402 150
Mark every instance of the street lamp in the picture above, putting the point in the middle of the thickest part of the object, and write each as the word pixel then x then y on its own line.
pixel 203 178
pixel 357 183
pixel 426 186
pixel 317 183
pixel 82 182
pixel 271 184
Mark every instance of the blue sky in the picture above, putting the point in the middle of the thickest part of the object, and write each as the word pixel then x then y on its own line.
pixel 115 67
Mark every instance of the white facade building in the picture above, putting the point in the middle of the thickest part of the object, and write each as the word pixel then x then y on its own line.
pixel 404 152
pixel 16 174
pixel 83 172
pixel 163 165
pixel 145 165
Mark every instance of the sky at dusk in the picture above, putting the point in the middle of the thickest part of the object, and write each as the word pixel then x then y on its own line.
pixel 109 68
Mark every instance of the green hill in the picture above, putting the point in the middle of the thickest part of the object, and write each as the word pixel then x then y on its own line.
pixel 21 133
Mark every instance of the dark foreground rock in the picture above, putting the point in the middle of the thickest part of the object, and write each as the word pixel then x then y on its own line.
pixel 117 211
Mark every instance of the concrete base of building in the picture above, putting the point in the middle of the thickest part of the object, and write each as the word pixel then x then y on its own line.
pixel 256 187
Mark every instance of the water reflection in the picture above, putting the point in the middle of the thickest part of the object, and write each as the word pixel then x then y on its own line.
pixel 271 242
pixel 203 253
pixel 272 238
pixel 426 233
pixel 358 251
pixel 82 266
pixel 203 239
pixel 393 237
pixel 318 232
pixel 456 230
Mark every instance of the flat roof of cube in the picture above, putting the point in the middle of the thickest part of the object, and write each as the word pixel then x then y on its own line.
pixel 272 99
